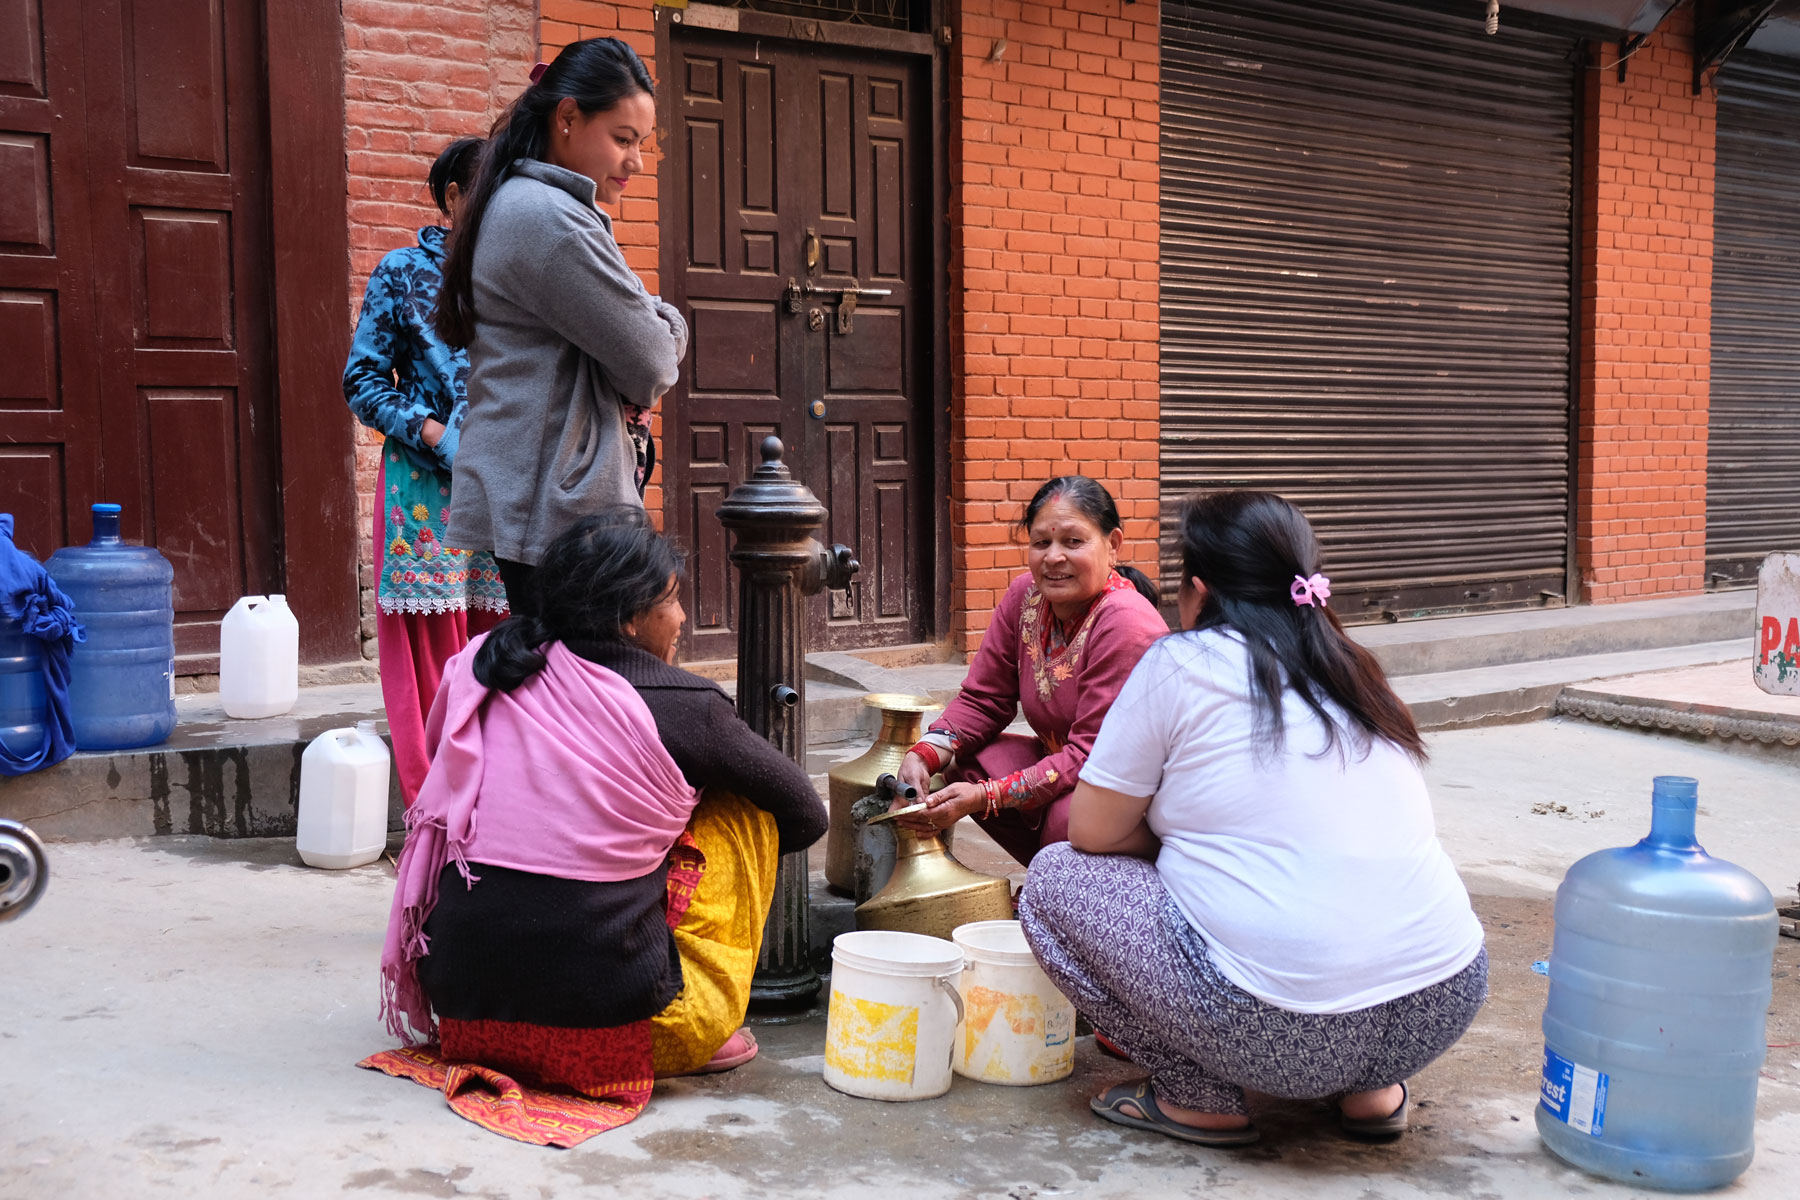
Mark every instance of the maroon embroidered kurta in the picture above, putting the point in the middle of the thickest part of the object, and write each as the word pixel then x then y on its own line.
pixel 1064 686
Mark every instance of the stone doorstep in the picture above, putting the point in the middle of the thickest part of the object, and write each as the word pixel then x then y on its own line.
pixel 228 778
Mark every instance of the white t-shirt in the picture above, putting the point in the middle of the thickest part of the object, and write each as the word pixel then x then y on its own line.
pixel 1318 882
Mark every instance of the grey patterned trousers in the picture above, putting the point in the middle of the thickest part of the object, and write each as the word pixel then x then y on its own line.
pixel 1112 939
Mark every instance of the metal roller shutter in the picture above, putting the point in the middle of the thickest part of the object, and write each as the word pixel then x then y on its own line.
pixel 1752 472
pixel 1366 239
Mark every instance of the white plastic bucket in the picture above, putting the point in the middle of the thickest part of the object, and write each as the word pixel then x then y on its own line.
pixel 259 658
pixel 1017 1028
pixel 893 1015
pixel 343 799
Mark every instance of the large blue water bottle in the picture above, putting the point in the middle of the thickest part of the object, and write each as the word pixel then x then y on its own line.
pixel 1659 986
pixel 122 679
pixel 23 707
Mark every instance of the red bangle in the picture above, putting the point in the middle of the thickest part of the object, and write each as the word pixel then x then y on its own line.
pixel 925 750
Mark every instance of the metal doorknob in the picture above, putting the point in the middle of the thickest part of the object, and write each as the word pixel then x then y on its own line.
pixel 24 869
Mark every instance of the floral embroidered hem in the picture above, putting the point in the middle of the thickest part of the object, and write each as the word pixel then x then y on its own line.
pixel 419 573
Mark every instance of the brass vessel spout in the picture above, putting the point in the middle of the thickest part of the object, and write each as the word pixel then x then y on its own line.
pixel 930 892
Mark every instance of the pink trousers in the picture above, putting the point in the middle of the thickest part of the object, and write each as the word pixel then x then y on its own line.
pixel 414 648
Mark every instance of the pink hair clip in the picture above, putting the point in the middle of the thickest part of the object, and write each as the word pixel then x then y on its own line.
pixel 1307 591
pixel 537 72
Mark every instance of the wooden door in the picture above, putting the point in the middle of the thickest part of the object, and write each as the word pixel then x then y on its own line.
pixel 798 173
pixel 49 390
pixel 170 407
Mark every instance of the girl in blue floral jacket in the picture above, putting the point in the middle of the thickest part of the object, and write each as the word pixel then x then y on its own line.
pixel 404 382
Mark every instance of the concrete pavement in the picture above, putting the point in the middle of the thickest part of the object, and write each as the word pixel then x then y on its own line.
pixel 182 1016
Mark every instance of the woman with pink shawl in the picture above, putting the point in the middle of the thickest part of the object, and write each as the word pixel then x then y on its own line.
pixel 1060 646
pixel 590 861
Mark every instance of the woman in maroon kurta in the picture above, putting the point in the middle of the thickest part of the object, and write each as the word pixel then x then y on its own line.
pixel 1060 645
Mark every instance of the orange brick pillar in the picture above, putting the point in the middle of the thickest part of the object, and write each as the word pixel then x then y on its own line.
pixel 1054 127
pixel 1645 345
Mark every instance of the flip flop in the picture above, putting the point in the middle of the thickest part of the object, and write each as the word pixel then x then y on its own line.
pixel 1109 1106
pixel 1376 1129
pixel 738 1049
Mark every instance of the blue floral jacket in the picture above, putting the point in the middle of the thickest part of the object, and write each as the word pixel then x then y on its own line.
pixel 399 374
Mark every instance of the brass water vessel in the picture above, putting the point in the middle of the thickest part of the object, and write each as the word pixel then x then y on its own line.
pixel 901 716
pixel 930 892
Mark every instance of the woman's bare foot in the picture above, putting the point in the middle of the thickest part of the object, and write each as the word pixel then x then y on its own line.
pixel 1194 1118
pixel 1363 1106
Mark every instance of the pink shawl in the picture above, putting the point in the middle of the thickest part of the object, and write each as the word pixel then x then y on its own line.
pixel 568 777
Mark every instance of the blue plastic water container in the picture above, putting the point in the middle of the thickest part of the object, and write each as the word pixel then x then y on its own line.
pixel 122 679
pixel 1659 986
pixel 23 706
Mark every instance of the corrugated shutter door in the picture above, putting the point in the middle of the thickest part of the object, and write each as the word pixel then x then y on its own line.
pixel 1753 450
pixel 1366 237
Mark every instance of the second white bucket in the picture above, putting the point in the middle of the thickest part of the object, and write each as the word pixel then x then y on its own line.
pixel 893 1014
pixel 1017 1028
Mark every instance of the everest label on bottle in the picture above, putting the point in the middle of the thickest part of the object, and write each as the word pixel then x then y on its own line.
pixel 1572 1094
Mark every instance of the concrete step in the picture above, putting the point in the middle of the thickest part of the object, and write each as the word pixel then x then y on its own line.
pixel 215 775
pixel 1718 704
pixel 227 778
pixel 1499 639
pixel 1528 691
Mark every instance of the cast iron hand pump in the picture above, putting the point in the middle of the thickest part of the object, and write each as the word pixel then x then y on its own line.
pixel 772 518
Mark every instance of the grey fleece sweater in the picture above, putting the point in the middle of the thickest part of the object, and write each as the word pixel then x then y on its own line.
pixel 564 331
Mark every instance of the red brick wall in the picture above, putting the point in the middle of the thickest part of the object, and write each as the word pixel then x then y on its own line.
pixel 1645 322
pixel 1054 274
pixel 417 75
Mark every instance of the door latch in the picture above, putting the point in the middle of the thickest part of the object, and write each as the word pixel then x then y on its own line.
pixel 846 313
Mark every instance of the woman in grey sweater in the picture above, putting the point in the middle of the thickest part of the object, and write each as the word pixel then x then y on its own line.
pixel 561 335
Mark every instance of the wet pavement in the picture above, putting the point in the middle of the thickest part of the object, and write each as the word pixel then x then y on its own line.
pixel 183 1016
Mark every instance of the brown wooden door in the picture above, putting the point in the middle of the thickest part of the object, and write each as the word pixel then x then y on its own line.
pixel 779 157
pixel 165 402
pixel 49 390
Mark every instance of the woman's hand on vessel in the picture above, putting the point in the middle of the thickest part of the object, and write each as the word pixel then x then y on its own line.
pixel 914 771
pixel 945 808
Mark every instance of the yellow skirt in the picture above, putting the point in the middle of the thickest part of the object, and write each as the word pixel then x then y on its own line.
pixel 720 937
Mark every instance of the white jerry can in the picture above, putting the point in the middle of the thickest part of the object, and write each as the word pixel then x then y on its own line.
pixel 259 658
pixel 343 798
pixel 1776 664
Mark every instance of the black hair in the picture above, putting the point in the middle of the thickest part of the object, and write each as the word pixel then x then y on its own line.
pixel 1095 503
pixel 597 74
pixel 599 574
pixel 1246 548
pixel 456 164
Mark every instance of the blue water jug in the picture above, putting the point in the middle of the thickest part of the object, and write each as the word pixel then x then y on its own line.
pixel 1659 986
pixel 122 679
pixel 23 706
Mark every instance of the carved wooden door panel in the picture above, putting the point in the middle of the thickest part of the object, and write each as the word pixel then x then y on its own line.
pixel 49 395
pixel 166 386
pixel 798 177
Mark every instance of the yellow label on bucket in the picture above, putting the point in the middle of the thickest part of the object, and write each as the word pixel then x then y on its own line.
pixel 866 1039
pixel 1022 1015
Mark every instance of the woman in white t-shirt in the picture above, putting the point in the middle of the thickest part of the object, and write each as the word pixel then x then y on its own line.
pixel 1253 894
